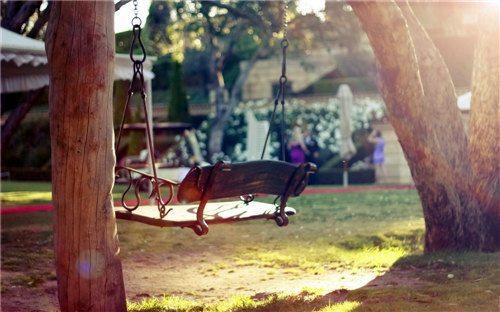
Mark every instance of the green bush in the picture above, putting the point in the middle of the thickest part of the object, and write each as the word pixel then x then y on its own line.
pixel 29 174
pixel 178 110
pixel 322 118
pixel 29 146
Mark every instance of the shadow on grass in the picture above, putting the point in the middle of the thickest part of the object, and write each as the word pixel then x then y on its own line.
pixel 446 281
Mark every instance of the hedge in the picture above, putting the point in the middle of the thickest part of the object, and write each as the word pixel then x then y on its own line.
pixel 28 174
pixel 335 176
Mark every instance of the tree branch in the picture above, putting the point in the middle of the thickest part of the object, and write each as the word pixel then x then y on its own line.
pixel 120 3
pixel 11 9
pixel 236 91
pixel 42 20
pixel 240 13
pixel 16 22
pixel 18 115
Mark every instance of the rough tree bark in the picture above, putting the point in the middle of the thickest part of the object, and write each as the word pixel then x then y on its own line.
pixel 80 49
pixel 484 129
pixel 420 97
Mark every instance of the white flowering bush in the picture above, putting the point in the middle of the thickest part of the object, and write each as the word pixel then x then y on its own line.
pixel 322 118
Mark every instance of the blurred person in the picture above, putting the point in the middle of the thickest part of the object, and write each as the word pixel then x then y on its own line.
pixel 312 147
pixel 375 137
pixel 297 147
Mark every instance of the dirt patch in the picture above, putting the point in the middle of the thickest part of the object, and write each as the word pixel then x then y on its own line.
pixel 202 276
pixel 208 278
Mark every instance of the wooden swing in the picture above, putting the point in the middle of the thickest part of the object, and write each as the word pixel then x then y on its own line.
pixel 219 181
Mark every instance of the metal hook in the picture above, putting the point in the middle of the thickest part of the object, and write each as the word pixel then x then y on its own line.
pixel 136 30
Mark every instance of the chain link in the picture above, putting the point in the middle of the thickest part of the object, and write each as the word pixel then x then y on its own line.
pixel 136 20
pixel 137 85
pixel 285 19
pixel 136 10
pixel 280 97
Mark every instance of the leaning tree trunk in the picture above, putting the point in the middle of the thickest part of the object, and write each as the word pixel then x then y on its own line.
pixel 484 147
pixel 421 101
pixel 80 49
pixel 223 111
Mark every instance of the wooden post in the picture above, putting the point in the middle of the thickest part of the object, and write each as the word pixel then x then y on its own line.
pixel 80 50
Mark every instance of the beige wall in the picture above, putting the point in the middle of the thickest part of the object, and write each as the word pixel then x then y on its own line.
pixel 301 72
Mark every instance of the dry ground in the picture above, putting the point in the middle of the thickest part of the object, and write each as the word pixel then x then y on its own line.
pixel 204 276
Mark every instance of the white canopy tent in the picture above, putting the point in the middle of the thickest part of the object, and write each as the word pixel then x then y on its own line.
pixel 24 64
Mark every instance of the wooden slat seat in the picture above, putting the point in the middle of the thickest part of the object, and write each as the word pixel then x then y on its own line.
pixel 214 213
pixel 224 180
pixel 261 176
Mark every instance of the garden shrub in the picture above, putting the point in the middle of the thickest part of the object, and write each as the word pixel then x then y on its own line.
pixel 321 117
pixel 29 146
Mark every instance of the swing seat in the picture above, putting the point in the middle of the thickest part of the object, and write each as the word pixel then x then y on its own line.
pixel 224 180
pixel 214 213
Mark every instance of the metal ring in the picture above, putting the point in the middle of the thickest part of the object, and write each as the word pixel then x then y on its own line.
pixel 284 43
pixel 248 198
pixel 135 18
pixel 283 79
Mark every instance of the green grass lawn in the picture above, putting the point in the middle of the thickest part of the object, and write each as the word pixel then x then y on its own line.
pixel 16 194
pixel 378 231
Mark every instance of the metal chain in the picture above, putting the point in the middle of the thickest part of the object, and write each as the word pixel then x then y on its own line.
pixel 285 19
pixel 280 97
pixel 137 85
pixel 136 10
pixel 136 20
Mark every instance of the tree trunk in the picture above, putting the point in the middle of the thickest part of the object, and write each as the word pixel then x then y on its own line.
pixel 216 138
pixel 421 101
pixel 80 50
pixel 484 129
pixel 223 110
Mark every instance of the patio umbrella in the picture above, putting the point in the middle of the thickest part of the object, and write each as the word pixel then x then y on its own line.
pixel 347 148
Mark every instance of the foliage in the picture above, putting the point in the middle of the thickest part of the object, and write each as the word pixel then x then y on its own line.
pixel 162 69
pixel 322 118
pixel 178 109
pixel 29 146
pixel 156 27
pixel 213 38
